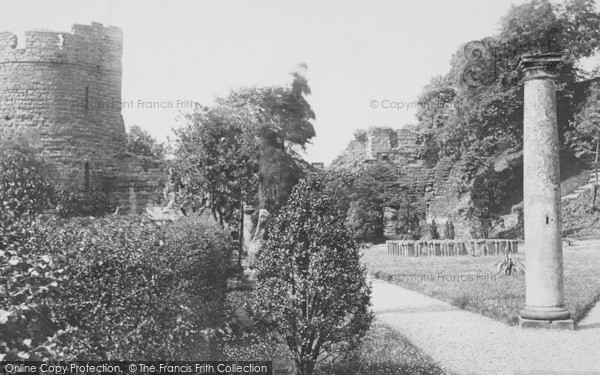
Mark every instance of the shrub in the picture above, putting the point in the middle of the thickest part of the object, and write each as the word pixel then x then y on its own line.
pixel 449 230
pixel 433 231
pixel 130 289
pixel 310 285
pixel 75 203
pixel 203 250
pixel 24 187
pixel 27 278
pixel 487 192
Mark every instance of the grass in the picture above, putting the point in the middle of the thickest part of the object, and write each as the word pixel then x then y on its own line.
pixel 384 351
pixel 472 283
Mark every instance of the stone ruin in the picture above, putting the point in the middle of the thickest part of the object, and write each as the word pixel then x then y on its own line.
pixel 63 91
pixel 427 181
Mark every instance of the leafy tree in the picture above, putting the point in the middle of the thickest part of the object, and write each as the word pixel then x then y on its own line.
pixel 216 162
pixel 310 284
pixel 376 187
pixel 486 192
pixel 585 136
pixel 340 185
pixel 433 231
pixel 449 230
pixel 243 149
pixel 491 112
pixel 141 143
pixel 434 113
pixel 284 128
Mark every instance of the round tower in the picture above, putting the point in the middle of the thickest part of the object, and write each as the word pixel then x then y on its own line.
pixel 65 88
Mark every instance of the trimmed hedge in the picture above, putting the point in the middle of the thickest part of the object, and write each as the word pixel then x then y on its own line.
pixel 126 289
pixel 73 203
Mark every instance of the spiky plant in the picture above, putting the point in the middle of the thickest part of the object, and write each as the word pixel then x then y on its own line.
pixel 511 266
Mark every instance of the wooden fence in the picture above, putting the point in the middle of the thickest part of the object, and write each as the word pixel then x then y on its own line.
pixel 451 247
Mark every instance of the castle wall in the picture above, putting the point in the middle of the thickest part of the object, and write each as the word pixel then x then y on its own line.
pixel 53 88
pixel 63 92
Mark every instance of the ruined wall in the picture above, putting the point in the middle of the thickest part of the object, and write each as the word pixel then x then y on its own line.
pixel 63 91
pixel 427 181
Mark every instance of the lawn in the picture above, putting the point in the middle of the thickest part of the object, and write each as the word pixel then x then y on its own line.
pixel 384 351
pixel 472 283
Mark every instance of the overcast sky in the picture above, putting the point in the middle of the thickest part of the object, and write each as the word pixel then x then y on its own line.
pixel 356 51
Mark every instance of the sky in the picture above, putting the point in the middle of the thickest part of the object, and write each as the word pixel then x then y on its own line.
pixel 367 60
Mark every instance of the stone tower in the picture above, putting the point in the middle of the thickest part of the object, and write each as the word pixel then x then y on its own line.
pixel 66 89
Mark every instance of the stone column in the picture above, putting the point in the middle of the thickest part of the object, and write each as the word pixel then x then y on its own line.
pixel 248 231
pixel 544 305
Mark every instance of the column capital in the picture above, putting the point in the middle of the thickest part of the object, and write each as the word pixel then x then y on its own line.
pixel 248 209
pixel 540 66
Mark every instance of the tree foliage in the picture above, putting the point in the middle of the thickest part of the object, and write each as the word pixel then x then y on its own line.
pixel 486 193
pixel 24 184
pixel 585 136
pixel 245 148
pixel 449 230
pixel 310 285
pixel 433 231
pixel 378 186
pixel 141 143
pixel 284 123
pixel 492 112
pixel 216 161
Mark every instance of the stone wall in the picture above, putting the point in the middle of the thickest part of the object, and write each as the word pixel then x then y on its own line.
pixel 63 91
pixel 426 181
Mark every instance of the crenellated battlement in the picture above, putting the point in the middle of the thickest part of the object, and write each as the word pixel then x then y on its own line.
pixel 92 45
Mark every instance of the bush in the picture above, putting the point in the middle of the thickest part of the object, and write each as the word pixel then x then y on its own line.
pixel 483 213
pixel 449 230
pixel 203 251
pixel 433 231
pixel 25 329
pixel 76 203
pixel 310 285
pixel 129 289
pixel 27 278
pixel 24 186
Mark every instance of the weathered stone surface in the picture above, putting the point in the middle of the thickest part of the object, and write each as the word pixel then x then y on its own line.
pixel 259 235
pixel 452 247
pixel 566 324
pixel 399 146
pixel 541 189
pixel 63 91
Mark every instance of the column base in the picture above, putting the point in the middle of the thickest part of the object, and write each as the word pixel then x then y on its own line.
pixel 545 313
pixel 566 324
pixel 546 317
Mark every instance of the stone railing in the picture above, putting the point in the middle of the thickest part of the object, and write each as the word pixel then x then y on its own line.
pixel 452 247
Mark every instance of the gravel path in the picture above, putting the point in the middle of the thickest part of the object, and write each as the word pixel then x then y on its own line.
pixel 467 343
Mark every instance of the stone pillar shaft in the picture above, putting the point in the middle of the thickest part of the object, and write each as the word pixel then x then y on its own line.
pixel 541 189
pixel 248 225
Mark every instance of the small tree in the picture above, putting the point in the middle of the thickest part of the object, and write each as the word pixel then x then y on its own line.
pixel 449 230
pixel 141 143
pixel 487 191
pixel 433 231
pixel 310 285
pixel 585 138
pixel 376 187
